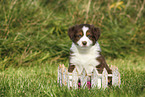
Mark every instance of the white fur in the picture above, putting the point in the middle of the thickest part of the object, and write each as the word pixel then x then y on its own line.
pixel 85 58
pixel 85 38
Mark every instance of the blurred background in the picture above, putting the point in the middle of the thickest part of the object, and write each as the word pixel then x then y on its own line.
pixel 34 32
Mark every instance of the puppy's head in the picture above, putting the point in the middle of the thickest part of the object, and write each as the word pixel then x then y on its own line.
pixel 84 35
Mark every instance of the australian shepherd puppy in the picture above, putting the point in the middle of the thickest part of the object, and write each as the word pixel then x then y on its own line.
pixel 85 51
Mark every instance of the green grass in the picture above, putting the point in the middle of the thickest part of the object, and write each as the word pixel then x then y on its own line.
pixel 41 81
pixel 34 40
pixel 35 31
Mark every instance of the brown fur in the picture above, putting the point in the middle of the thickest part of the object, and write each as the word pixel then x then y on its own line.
pixel 102 65
pixel 71 68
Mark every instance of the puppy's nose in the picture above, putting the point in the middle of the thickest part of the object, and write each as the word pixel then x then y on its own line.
pixel 84 42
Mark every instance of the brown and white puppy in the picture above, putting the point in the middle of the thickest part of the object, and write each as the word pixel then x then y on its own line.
pixel 85 51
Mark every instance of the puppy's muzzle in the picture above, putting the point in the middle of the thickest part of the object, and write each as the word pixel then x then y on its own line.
pixel 84 43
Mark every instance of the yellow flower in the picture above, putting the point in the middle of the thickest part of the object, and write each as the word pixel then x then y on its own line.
pixel 118 5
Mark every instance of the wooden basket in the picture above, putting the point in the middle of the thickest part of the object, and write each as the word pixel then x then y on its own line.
pixel 97 80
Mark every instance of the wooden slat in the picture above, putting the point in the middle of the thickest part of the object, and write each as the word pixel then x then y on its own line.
pixel 60 75
pixel 94 78
pixel 75 79
pixel 116 81
pixel 104 79
pixel 83 78
pixel 64 76
pixel 68 81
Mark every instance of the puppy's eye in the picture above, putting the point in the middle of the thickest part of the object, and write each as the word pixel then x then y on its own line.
pixel 88 35
pixel 79 36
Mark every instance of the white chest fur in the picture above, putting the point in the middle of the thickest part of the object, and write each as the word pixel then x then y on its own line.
pixel 85 58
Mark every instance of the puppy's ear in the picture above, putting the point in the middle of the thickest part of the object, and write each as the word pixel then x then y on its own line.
pixel 71 32
pixel 96 32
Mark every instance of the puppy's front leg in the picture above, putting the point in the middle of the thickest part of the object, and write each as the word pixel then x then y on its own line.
pixel 70 70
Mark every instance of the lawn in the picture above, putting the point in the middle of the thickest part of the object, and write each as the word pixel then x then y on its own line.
pixel 41 80
pixel 34 41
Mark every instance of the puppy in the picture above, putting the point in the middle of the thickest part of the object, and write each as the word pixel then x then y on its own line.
pixel 85 51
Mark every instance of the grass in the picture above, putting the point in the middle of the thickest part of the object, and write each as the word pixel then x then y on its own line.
pixel 36 31
pixel 34 40
pixel 41 81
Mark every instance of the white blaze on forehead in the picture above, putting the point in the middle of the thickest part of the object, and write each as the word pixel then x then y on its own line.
pixel 85 38
pixel 85 29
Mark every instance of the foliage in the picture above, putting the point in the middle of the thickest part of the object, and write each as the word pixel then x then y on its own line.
pixel 35 31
